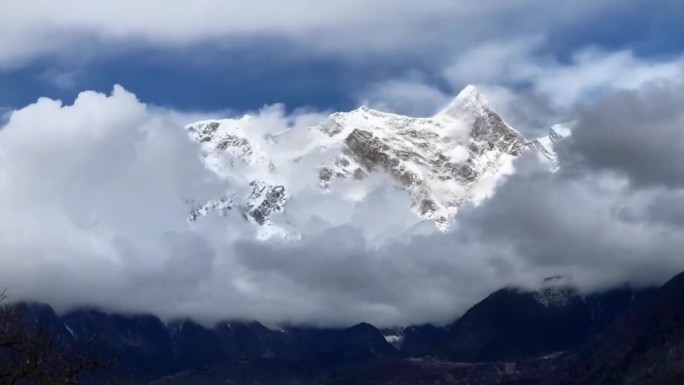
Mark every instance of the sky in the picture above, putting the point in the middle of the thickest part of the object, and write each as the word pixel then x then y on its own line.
pixel 96 170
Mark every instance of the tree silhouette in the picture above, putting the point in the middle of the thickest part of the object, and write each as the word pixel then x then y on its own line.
pixel 31 355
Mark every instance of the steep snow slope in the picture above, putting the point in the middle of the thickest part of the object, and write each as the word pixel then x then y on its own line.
pixel 441 161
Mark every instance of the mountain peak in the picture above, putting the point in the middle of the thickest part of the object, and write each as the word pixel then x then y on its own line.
pixel 469 92
pixel 469 101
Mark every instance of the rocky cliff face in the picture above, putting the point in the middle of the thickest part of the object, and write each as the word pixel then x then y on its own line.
pixel 442 161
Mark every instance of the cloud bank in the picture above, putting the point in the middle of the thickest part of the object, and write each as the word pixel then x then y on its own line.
pixel 94 201
pixel 348 27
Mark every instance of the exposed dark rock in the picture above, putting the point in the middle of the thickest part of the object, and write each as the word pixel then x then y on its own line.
pixel 644 346
pixel 511 323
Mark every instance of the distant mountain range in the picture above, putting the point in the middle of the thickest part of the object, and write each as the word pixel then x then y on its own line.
pixel 512 335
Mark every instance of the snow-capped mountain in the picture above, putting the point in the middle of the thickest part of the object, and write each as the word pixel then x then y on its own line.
pixel 441 161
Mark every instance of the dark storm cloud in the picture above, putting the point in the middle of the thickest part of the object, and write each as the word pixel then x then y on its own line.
pixel 613 211
pixel 668 209
pixel 639 133
pixel 576 224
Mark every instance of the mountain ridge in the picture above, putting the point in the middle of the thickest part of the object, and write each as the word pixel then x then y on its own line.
pixel 149 349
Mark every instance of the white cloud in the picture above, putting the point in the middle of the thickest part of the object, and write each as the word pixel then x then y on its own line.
pixel 530 89
pixel 61 79
pixel 90 191
pixel 92 194
pixel 352 27
pixel 497 62
pixel 409 97
pixel 93 201
pixel 590 71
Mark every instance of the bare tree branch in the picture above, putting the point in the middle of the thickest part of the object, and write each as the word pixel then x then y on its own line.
pixel 32 355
